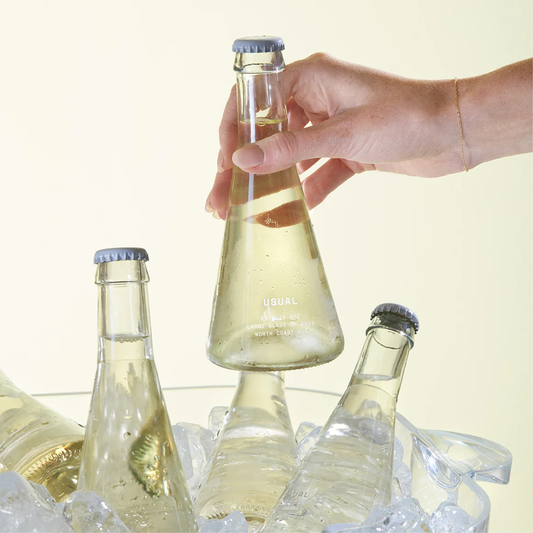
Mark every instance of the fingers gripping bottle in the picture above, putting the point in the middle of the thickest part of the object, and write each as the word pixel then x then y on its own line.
pixel 255 454
pixel 348 472
pixel 129 457
pixel 272 308
pixel 37 442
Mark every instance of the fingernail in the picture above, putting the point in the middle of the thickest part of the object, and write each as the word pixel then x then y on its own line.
pixel 216 215
pixel 208 207
pixel 220 162
pixel 248 157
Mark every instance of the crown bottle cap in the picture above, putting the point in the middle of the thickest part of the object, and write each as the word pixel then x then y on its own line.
pixel 257 45
pixel 399 310
pixel 108 255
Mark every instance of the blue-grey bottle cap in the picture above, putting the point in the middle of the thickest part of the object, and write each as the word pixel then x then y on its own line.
pixel 397 309
pixel 255 45
pixel 120 254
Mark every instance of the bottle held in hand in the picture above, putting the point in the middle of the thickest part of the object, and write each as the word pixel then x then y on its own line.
pixel 272 308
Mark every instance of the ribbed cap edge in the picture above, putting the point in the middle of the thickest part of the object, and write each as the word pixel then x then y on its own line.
pixel 107 255
pixel 256 45
pixel 397 310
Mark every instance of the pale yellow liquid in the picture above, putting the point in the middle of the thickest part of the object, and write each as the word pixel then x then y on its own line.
pixel 251 468
pixel 255 455
pixel 38 443
pixel 130 458
pixel 273 308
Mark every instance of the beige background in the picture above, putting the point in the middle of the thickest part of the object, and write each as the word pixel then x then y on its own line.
pixel 108 137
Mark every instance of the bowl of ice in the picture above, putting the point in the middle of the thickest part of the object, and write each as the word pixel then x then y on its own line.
pixel 435 476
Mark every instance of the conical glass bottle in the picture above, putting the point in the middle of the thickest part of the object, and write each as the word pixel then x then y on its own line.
pixel 272 308
pixel 37 442
pixel 348 472
pixel 129 457
pixel 255 454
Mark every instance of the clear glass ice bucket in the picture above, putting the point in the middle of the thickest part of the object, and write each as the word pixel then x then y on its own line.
pixel 444 465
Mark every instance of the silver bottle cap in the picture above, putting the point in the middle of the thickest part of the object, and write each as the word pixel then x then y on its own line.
pixel 397 309
pixel 120 254
pixel 257 45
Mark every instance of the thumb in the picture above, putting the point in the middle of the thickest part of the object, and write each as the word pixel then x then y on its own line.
pixel 282 150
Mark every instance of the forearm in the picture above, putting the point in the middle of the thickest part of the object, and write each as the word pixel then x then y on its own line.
pixel 497 113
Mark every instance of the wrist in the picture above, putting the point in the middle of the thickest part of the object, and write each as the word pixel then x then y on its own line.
pixel 496 111
pixel 447 129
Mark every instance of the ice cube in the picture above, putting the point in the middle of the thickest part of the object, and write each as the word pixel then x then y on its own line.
pixel 28 508
pixel 233 523
pixel 449 518
pixel 303 430
pixel 398 449
pixel 216 418
pixel 86 512
pixel 373 430
pixel 307 443
pixel 371 409
pixel 184 450
pixel 405 516
pixel 402 481
pixel 378 515
pixel 347 528
pixel 201 445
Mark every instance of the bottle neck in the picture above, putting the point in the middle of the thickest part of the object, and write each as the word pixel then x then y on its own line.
pixel 384 355
pixel 261 105
pixel 123 313
pixel 260 389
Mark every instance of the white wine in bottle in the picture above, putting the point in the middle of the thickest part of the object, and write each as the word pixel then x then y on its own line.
pixel 37 442
pixel 273 308
pixel 348 471
pixel 255 454
pixel 129 457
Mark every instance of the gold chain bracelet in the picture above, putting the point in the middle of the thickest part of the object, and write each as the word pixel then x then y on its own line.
pixel 460 123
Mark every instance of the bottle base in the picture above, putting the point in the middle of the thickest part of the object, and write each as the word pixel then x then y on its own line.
pixel 257 366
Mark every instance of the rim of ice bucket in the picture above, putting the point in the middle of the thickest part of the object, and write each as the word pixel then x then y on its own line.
pixel 483 517
pixel 482 520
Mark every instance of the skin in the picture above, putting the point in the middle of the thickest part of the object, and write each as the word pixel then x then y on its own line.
pixel 361 119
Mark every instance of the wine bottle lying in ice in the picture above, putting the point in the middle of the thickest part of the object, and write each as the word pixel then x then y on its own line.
pixel 348 472
pixel 37 442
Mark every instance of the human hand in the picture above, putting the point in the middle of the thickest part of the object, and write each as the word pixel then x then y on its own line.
pixel 363 119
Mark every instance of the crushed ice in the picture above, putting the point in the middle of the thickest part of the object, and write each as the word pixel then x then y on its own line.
pixel 26 507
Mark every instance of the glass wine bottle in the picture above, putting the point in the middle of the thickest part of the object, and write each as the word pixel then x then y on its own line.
pixel 37 442
pixel 129 457
pixel 272 308
pixel 255 454
pixel 348 472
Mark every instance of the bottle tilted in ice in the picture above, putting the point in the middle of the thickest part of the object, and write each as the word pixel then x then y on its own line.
pixel 272 308
pixel 37 442
pixel 348 472
pixel 129 457
pixel 255 454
